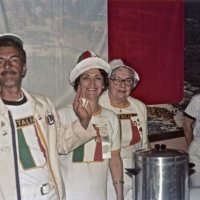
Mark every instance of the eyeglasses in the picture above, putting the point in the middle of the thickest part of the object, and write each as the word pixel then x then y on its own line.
pixel 14 60
pixel 117 81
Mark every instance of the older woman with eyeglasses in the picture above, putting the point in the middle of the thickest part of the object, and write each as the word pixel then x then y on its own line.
pixel 132 114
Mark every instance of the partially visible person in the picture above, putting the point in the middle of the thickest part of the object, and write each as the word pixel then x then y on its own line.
pixel 85 170
pixel 191 126
pixel 132 115
pixel 31 134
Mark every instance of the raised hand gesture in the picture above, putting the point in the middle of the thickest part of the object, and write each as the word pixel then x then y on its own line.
pixel 82 108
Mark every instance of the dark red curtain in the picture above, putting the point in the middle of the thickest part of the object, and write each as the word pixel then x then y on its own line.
pixel 149 36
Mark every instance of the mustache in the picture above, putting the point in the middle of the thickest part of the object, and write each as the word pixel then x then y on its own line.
pixel 8 72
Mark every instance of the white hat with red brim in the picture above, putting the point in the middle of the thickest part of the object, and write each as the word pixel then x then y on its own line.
pixel 88 60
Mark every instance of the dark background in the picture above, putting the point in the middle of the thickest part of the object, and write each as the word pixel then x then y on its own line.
pixel 159 127
pixel 192 50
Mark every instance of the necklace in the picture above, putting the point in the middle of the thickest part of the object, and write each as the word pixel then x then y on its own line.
pixel 120 106
pixel 98 111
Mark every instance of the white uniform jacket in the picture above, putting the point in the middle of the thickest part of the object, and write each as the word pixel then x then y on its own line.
pixel 56 138
pixel 139 109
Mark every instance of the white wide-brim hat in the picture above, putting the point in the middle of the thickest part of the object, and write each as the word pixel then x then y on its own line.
pixel 12 36
pixel 88 60
pixel 115 63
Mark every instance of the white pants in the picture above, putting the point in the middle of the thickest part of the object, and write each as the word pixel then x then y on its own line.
pixel 34 193
pixel 194 155
pixel 194 193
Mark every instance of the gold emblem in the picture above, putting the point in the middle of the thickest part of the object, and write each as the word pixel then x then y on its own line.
pixel 98 139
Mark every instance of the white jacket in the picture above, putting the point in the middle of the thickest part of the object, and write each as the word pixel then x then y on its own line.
pixel 57 139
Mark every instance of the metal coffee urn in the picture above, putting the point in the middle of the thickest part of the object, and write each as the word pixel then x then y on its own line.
pixel 162 174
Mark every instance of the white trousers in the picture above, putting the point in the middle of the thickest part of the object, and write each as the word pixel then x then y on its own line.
pixel 194 155
pixel 35 193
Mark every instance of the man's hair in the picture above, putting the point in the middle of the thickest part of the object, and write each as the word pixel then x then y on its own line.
pixel 9 42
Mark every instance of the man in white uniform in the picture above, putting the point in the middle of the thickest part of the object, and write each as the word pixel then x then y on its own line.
pixel 191 125
pixel 31 134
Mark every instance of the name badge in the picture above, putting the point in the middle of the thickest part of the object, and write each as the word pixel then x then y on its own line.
pixel 105 129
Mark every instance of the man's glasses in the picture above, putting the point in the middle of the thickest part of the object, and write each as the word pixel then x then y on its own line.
pixel 117 80
pixel 14 60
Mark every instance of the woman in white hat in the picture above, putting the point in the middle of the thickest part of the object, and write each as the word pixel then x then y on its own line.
pixel 132 114
pixel 85 170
